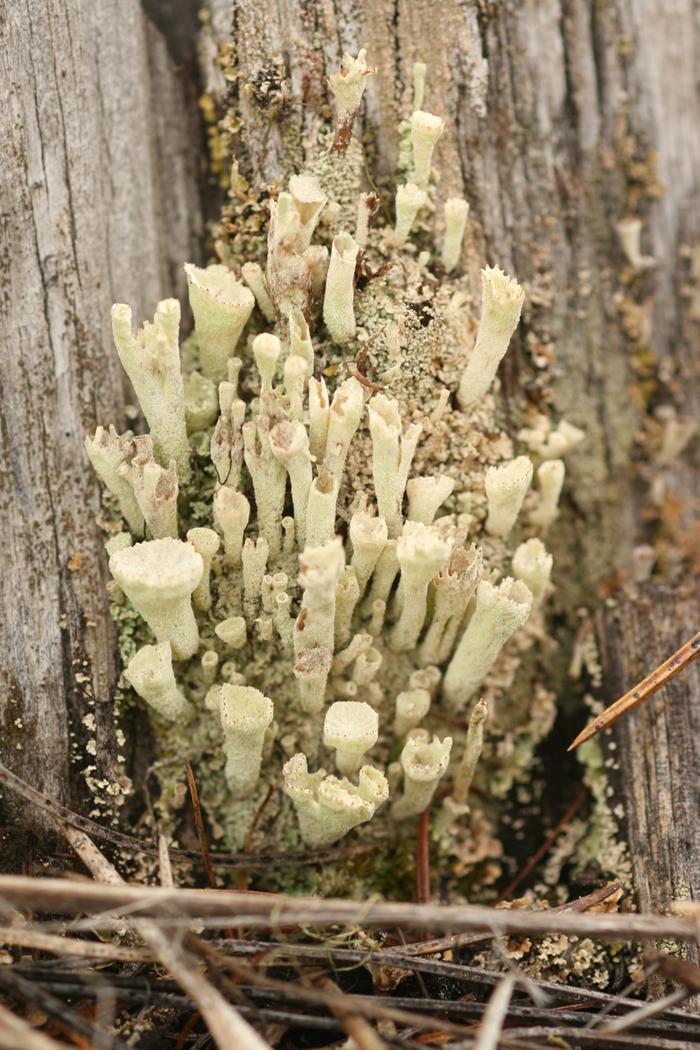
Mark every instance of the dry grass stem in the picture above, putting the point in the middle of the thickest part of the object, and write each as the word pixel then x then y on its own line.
pixel 494 1015
pixel 225 1024
pixel 271 911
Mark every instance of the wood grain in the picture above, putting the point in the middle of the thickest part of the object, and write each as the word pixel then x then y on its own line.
pixel 99 202
pixel 658 745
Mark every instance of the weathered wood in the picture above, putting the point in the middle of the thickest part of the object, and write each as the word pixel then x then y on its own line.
pixel 557 114
pixel 556 110
pixel 99 202
pixel 563 117
pixel 658 744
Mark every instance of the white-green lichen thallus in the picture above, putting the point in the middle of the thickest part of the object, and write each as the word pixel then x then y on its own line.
pixel 326 542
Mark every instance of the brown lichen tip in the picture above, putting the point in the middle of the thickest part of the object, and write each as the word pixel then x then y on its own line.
pixel 641 692
pixel 348 86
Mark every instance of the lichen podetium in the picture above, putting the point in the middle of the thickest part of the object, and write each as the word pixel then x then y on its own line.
pixel 329 555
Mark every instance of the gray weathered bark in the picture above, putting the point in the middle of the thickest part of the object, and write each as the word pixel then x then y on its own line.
pixel 99 202
pixel 658 744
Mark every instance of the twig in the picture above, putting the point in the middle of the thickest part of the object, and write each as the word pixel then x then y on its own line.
pixel 680 970
pixel 26 937
pixel 463 940
pixel 631 1019
pixel 518 1038
pixel 165 868
pixel 199 824
pixel 641 692
pixel 151 996
pixel 273 910
pixel 356 1028
pixel 546 845
pixel 367 1006
pixel 134 845
pixel 494 1015
pixel 226 1025
pixel 30 992
pixel 355 372
pixel 591 900
pixel 16 1032
pixel 143 988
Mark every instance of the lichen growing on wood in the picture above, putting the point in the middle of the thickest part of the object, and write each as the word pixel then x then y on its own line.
pixel 350 517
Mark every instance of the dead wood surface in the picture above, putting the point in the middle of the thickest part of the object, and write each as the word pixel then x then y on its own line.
pixel 562 116
pixel 658 744
pixel 98 203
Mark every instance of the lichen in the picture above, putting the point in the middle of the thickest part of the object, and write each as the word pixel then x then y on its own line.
pixel 318 595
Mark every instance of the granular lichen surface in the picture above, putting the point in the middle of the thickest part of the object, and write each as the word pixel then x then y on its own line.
pixel 328 552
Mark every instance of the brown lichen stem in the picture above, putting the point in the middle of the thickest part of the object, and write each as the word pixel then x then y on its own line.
pixel 244 875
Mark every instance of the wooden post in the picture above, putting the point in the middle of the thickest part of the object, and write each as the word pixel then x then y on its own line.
pixel 658 743
pixel 99 202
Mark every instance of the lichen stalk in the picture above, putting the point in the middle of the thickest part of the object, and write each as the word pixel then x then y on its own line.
pixel 501 303
pixel 499 612
pixel 151 359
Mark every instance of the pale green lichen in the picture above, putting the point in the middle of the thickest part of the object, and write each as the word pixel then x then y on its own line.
pixel 318 598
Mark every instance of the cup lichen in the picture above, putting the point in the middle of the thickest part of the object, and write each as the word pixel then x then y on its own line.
pixel 358 602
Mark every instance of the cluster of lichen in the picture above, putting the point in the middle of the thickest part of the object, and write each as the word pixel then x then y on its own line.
pixel 329 505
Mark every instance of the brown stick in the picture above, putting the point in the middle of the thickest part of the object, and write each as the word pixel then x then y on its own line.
pixel 423 857
pixel 355 1027
pixel 641 692
pixel 273 910
pixel 225 1024
pixel 199 824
